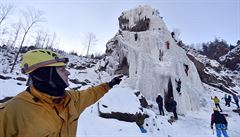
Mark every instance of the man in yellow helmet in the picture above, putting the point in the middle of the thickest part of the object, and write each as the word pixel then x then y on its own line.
pixel 46 109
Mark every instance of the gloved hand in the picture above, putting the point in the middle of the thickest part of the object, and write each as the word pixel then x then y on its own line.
pixel 211 127
pixel 115 81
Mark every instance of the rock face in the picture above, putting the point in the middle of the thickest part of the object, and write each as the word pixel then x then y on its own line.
pixel 232 59
pixel 209 75
pixel 145 50
pixel 211 71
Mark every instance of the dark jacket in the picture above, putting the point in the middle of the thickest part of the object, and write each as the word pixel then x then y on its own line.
pixel 174 105
pixel 159 100
pixel 235 98
pixel 229 98
pixel 218 118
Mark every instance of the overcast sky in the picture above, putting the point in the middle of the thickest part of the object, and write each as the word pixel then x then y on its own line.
pixel 199 21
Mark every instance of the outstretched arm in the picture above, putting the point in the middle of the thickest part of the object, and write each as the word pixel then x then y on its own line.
pixel 83 99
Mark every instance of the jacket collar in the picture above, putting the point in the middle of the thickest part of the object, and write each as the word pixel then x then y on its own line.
pixel 45 98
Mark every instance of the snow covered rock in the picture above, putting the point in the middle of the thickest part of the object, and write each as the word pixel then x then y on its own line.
pixel 141 19
pixel 213 72
pixel 232 59
pixel 114 106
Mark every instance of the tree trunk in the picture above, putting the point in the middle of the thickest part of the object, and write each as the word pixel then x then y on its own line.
pixel 15 60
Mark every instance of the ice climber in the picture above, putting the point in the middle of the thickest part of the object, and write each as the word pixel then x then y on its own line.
pixel 220 123
pixel 167 45
pixel 159 101
pixel 186 68
pixel 178 82
pixel 45 108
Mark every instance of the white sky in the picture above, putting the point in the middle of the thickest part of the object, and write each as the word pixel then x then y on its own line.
pixel 199 21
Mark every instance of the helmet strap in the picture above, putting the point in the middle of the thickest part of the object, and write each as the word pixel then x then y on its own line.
pixel 29 81
pixel 37 78
pixel 50 82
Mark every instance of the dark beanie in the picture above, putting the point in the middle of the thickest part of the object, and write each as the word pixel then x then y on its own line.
pixel 41 81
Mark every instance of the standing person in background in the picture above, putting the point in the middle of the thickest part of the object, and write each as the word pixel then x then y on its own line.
pixel 159 101
pixel 229 99
pixel 174 107
pixel 216 102
pixel 220 123
pixel 46 109
pixel 226 100
pixel 236 100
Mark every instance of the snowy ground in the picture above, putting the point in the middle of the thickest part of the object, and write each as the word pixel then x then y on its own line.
pixel 193 124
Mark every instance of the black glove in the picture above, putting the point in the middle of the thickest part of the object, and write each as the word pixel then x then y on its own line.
pixel 115 81
pixel 211 127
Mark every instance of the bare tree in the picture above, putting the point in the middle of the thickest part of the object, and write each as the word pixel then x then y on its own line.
pixel 17 28
pixel 47 42
pixel 32 17
pixel 40 39
pixel 5 10
pixel 15 34
pixel 44 39
pixel 53 40
pixel 90 41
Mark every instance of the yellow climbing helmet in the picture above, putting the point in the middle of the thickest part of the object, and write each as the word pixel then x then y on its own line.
pixel 215 109
pixel 35 59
